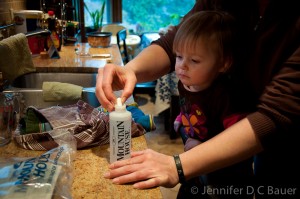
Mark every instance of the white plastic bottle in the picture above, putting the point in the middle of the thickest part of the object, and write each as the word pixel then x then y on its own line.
pixel 119 132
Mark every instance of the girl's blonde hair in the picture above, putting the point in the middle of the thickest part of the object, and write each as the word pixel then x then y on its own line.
pixel 215 28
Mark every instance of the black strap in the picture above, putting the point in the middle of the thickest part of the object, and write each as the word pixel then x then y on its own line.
pixel 179 169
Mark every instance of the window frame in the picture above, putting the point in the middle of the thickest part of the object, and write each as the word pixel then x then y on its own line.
pixel 116 11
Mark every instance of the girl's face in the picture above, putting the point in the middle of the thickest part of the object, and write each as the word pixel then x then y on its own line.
pixel 197 68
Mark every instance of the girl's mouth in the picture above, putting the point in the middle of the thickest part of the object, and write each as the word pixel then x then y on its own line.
pixel 181 73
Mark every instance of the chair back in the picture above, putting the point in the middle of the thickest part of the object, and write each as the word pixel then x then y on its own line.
pixel 113 28
pixel 121 41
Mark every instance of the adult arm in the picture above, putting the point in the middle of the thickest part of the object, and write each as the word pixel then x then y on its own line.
pixel 278 111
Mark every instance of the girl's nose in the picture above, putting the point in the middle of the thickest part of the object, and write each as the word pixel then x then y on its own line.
pixel 183 65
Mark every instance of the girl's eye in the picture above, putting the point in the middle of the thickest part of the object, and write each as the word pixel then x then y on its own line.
pixel 178 57
pixel 195 61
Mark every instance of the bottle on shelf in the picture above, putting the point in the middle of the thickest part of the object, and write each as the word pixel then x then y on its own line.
pixel 55 29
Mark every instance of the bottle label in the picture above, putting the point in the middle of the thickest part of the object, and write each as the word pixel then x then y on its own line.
pixel 120 140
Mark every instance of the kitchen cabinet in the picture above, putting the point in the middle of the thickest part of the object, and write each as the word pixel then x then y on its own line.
pixel 59 7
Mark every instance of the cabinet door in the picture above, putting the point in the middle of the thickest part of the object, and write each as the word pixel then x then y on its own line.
pixel 58 6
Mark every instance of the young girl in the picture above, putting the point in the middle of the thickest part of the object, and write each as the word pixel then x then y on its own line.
pixel 205 48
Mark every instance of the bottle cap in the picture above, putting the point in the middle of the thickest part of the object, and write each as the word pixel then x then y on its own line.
pixel 50 13
pixel 119 106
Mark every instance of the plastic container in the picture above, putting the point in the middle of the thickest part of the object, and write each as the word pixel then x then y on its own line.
pixel 27 20
pixel 120 132
pixel 6 119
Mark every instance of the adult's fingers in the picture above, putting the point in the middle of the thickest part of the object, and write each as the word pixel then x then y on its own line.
pixel 152 182
pixel 143 177
pixel 130 171
pixel 109 75
pixel 101 95
pixel 136 158
pixel 147 168
pixel 128 89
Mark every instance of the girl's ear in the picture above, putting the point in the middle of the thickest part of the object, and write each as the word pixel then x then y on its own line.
pixel 226 66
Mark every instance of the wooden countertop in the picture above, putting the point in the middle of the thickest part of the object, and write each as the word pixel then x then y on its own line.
pixel 89 168
pixel 69 61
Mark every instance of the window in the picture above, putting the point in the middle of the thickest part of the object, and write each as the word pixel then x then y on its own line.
pixel 94 5
pixel 152 15
pixel 141 15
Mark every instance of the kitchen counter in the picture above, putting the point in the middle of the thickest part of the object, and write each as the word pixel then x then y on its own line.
pixel 89 168
pixel 69 61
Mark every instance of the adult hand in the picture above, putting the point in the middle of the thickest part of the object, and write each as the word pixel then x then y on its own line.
pixel 146 168
pixel 112 78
